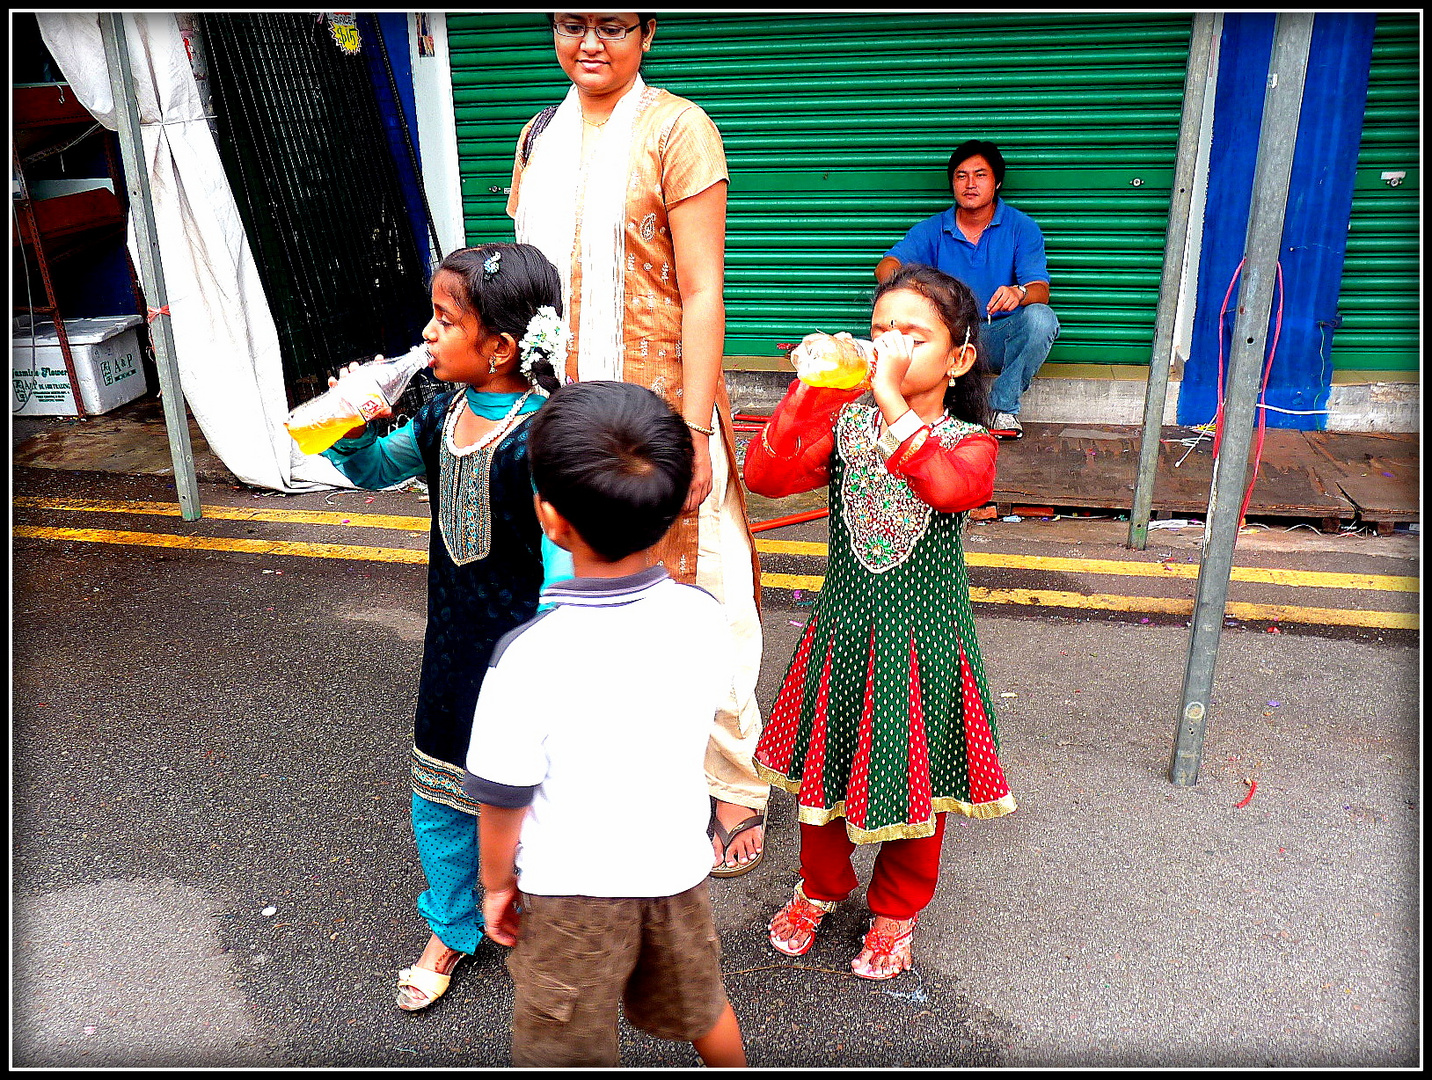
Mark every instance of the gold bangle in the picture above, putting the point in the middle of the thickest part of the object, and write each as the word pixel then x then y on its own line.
pixel 771 450
pixel 915 444
pixel 698 428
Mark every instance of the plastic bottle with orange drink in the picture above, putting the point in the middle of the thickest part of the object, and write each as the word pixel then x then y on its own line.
pixel 356 398
pixel 838 361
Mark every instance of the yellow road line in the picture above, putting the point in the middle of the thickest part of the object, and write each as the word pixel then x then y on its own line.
pixel 1107 567
pixel 792 547
pixel 1296 578
pixel 235 513
pixel 1306 579
pixel 1286 613
pixel 218 543
pixel 811 582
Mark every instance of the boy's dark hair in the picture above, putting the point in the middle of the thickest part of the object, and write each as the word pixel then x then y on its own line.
pixel 955 303
pixel 614 460
pixel 504 296
pixel 985 149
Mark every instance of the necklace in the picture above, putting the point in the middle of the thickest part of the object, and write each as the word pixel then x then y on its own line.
pixel 496 433
pixel 593 123
pixel 465 485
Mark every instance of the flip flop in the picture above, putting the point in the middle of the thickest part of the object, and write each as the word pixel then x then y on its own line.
pixel 755 821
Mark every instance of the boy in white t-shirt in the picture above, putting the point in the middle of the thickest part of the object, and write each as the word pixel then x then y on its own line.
pixel 615 683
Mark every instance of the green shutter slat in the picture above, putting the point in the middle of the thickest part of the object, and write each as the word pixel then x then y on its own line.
pixel 1381 283
pixel 837 130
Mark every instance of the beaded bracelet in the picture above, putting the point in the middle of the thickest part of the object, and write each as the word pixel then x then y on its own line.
pixel 698 428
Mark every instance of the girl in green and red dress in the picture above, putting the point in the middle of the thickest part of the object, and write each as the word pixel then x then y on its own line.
pixel 883 718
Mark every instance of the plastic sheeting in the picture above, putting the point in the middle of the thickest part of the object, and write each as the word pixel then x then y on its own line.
pixel 227 349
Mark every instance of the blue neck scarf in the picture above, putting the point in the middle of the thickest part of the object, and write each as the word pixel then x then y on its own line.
pixel 495 406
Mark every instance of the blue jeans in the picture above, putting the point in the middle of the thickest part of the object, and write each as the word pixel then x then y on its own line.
pixel 1014 347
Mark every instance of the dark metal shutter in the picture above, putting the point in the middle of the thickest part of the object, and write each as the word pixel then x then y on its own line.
pixel 303 144
pixel 838 128
pixel 1381 283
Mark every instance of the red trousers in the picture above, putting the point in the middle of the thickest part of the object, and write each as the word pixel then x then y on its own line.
pixel 902 883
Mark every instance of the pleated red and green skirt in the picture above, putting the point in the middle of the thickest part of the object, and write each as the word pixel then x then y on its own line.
pixel 884 717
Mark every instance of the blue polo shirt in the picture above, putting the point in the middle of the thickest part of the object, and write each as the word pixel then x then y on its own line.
pixel 1010 251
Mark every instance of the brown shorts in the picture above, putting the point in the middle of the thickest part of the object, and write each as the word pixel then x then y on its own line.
pixel 578 956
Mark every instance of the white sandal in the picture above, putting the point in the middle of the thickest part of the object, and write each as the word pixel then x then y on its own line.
pixel 431 984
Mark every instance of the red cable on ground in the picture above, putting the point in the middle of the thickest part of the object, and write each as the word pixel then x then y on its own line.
pixel 1262 403
pixel 793 519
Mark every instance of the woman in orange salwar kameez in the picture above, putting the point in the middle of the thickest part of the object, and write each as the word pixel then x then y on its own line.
pixel 623 186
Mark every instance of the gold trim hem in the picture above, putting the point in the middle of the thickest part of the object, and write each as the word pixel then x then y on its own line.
pixel 439 781
pixel 816 815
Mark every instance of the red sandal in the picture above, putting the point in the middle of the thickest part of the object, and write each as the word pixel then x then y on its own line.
pixel 804 915
pixel 886 946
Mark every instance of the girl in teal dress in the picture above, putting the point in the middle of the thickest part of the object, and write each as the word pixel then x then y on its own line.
pixel 884 723
pixel 496 329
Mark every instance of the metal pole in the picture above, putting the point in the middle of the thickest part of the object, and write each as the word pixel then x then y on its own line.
pixel 1282 102
pixel 151 266
pixel 1195 84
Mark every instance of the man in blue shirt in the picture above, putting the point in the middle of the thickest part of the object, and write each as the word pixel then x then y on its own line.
pixel 999 253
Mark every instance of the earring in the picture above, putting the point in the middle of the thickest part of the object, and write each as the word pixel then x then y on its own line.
pixel 492 366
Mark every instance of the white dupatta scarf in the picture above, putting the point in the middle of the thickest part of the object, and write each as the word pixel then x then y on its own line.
pixel 548 206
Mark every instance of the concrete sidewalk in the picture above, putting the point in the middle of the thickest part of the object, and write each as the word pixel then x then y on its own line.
pixel 1339 480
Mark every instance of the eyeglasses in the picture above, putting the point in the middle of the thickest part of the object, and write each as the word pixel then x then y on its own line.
pixel 605 32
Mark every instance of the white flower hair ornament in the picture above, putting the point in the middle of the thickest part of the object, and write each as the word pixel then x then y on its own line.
pixel 547 336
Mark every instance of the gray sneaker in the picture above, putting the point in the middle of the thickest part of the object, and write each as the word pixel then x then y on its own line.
pixel 1006 426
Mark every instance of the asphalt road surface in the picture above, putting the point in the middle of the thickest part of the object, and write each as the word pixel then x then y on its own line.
pixel 212 863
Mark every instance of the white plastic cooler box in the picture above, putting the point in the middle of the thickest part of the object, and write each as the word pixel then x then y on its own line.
pixel 108 368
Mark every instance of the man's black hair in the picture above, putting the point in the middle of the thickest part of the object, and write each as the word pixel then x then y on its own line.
pixel 985 149
pixel 614 460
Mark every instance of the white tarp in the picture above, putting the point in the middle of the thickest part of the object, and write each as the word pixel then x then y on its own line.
pixel 226 346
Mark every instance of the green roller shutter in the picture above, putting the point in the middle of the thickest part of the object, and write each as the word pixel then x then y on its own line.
pixel 1381 283
pixel 838 128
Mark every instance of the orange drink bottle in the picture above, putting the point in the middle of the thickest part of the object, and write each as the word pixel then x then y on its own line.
pixel 355 399
pixel 839 361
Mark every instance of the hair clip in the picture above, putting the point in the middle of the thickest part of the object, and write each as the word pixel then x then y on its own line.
pixel 491 265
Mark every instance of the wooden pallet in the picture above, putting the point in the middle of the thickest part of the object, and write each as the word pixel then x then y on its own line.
pixel 1329 477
